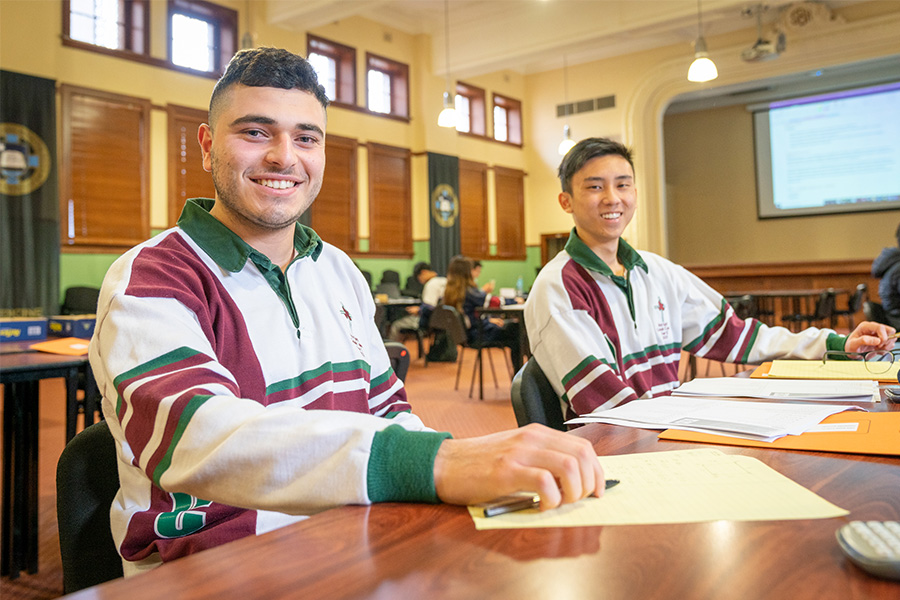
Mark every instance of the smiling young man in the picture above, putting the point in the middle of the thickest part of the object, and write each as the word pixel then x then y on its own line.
pixel 242 373
pixel 607 323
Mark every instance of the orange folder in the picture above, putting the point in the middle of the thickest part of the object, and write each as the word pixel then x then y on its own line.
pixel 878 433
pixel 70 346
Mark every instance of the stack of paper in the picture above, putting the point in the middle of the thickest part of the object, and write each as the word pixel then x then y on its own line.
pixel 782 389
pixel 832 369
pixel 763 421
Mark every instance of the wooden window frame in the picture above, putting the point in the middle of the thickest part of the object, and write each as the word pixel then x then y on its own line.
pixel 513 119
pixel 142 55
pixel 477 104
pixel 400 89
pixel 350 221
pixel 177 195
pixel 405 248
pixel 103 243
pixel 136 40
pixel 345 61
pixel 510 205
pixel 473 212
pixel 225 24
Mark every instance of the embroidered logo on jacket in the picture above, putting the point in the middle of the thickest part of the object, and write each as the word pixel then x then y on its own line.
pixel 662 327
pixel 346 314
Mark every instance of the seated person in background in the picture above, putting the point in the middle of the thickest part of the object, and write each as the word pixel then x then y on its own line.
pixel 462 294
pixel 415 283
pixel 607 323
pixel 886 267
pixel 422 273
pixel 476 273
pixel 432 295
pixel 242 374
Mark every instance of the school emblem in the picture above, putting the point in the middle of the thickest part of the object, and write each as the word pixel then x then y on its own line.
pixel 24 160
pixel 346 314
pixel 444 205
pixel 662 325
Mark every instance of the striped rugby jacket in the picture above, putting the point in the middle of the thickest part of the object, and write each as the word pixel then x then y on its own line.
pixel 241 398
pixel 604 340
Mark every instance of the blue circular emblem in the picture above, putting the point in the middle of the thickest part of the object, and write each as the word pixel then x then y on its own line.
pixel 24 160
pixel 444 205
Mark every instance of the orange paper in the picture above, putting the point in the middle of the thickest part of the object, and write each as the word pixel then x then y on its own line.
pixel 71 346
pixel 878 433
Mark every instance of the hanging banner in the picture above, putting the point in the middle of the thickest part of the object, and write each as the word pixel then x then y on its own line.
pixel 443 199
pixel 29 197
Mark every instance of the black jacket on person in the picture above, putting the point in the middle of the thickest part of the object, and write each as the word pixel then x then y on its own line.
pixel 887 267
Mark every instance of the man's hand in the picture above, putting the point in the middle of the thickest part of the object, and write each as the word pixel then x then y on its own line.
pixel 869 335
pixel 559 467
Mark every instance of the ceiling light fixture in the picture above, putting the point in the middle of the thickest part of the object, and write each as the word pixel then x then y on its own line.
pixel 567 142
pixel 447 118
pixel 702 69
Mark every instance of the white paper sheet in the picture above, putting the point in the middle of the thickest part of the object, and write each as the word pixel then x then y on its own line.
pixel 782 389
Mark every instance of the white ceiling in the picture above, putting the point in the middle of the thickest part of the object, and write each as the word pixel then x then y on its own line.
pixel 530 36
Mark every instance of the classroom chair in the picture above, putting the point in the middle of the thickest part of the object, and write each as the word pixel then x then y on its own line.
pixel 87 481
pixel 446 318
pixel 533 398
pixel 399 356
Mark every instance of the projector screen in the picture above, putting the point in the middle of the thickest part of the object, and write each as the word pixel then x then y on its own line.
pixel 830 153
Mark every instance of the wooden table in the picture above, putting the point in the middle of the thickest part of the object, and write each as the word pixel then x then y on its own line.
pixel 20 373
pixel 424 551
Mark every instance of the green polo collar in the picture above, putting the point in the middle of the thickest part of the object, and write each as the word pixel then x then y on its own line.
pixel 585 257
pixel 227 248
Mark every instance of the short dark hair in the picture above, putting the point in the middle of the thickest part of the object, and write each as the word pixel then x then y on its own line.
pixel 267 67
pixel 586 150
pixel 421 266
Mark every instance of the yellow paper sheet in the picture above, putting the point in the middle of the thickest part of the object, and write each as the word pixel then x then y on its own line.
pixel 832 369
pixel 681 486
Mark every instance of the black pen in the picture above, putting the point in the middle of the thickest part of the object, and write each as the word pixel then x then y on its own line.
pixel 516 503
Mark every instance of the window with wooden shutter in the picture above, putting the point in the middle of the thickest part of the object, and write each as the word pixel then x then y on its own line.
pixel 333 214
pixel 187 179
pixel 510 190
pixel 104 168
pixel 390 201
pixel 473 213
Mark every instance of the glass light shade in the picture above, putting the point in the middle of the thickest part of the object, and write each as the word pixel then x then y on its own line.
pixel 702 69
pixel 447 118
pixel 567 143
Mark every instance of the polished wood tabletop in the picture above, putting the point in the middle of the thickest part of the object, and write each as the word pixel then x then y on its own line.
pixel 433 551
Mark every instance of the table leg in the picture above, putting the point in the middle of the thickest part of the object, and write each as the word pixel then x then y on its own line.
pixel 30 510
pixel 72 404
pixel 8 457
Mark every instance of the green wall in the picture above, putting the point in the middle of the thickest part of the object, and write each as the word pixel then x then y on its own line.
pixel 89 269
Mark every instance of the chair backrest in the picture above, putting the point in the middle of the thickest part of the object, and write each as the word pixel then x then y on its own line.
pixel 874 311
pixel 447 318
pixel 80 300
pixel 390 276
pixel 825 305
pixel 87 481
pixel 399 356
pixel 391 289
pixel 533 398
pixel 858 297
pixel 367 275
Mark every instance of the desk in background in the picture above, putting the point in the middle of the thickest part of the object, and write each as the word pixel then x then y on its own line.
pixel 433 551
pixel 21 371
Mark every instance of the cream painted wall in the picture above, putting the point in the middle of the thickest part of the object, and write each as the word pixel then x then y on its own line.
pixel 645 83
pixel 712 202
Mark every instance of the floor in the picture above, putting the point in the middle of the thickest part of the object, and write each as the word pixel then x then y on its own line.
pixel 430 392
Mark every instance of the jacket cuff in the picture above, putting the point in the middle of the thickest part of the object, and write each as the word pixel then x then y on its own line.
pixel 835 342
pixel 401 465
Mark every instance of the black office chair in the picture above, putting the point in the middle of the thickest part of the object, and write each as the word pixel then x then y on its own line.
pixel 399 356
pixel 391 289
pixel 823 313
pixel 87 481
pixel 854 304
pixel 447 319
pixel 533 398
pixel 391 276
pixel 80 300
